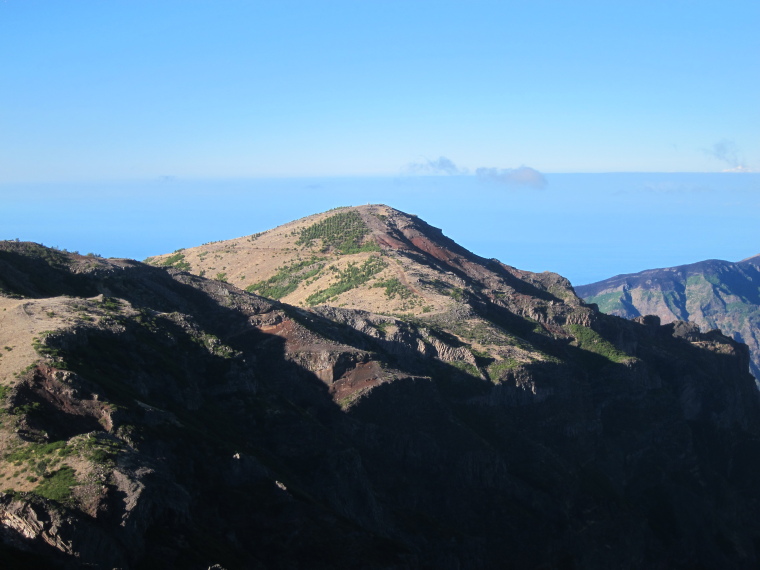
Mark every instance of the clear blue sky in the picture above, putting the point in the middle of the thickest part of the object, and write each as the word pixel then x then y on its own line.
pixel 135 127
pixel 93 89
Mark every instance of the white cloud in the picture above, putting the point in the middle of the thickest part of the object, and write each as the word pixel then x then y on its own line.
pixel 441 165
pixel 521 176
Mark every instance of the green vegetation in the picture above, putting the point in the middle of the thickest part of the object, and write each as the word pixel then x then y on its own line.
pixel 456 293
pixel 37 451
pixel 394 287
pixel 608 302
pixel 344 232
pixel 41 459
pixel 466 367
pixel 39 346
pixel 46 461
pixel 349 278
pixel 288 278
pixel 50 255
pixel 496 370
pixel 176 260
pixel 26 409
pixel 702 279
pixel 57 486
pixel 483 333
pixel 26 370
pixel 221 276
pixel 111 305
pixel 98 448
pixel 675 303
pixel 215 346
pixel 588 339
pixel 382 327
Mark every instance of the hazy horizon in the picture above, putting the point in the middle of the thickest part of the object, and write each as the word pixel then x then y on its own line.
pixel 586 227
pixel 587 138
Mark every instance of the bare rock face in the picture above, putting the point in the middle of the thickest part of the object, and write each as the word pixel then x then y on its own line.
pixel 488 418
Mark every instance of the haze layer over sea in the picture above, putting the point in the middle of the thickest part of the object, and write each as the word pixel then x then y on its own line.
pixel 584 226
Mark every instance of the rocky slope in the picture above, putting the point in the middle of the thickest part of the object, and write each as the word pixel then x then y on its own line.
pixel 713 294
pixel 155 418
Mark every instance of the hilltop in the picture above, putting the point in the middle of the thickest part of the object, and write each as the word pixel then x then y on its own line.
pixel 373 258
pixel 157 417
pixel 713 294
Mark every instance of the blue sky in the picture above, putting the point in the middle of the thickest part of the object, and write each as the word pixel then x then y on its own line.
pixel 229 88
pixel 110 108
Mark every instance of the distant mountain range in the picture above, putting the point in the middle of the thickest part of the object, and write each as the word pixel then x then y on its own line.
pixel 356 390
pixel 713 294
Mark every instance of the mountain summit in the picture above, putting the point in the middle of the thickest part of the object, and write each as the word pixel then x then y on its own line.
pixel 373 258
pixel 411 405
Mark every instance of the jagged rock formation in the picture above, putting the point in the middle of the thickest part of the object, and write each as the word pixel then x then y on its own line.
pixel 155 418
pixel 713 294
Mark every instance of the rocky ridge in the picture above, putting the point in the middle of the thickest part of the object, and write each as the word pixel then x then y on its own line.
pixel 156 418
pixel 713 294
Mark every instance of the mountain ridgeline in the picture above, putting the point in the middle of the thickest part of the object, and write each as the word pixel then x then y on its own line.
pixel 355 390
pixel 713 294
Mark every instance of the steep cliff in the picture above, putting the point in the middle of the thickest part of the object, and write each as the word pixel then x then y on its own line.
pixel 155 418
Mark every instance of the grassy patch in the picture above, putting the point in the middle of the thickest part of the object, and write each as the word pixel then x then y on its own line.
pixel 35 451
pixel 465 367
pixel 110 305
pixel 57 486
pixel 98 449
pixel 675 303
pixel 456 293
pixel 344 231
pixel 498 369
pixel 588 339
pixel 41 460
pixel 482 332
pixel 608 302
pixel 288 278
pixel 349 278
pixel 382 327
pixel 215 346
pixel 176 260
pixel 40 346
pixel 394 288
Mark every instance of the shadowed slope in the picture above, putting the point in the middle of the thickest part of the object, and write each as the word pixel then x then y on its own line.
pixel 155 418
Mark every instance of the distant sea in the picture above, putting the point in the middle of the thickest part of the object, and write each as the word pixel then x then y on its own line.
pixel 586 227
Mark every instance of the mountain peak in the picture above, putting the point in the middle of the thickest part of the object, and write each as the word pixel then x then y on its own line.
pixel 371 257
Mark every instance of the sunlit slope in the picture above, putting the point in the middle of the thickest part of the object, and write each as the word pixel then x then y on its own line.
pixel 347 257
pixel 713 294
